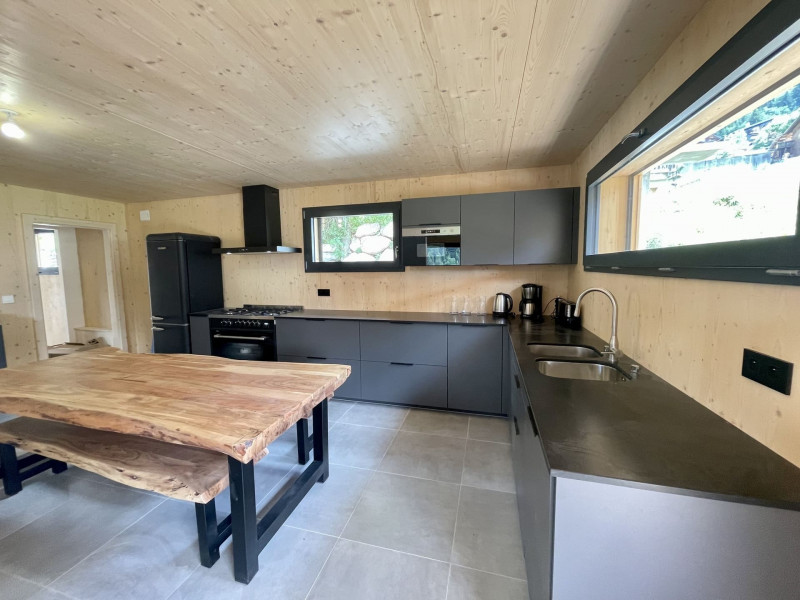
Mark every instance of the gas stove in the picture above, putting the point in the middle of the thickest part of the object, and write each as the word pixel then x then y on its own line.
pixel 253 311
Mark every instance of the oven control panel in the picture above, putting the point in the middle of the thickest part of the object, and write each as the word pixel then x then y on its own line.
pixel 246 323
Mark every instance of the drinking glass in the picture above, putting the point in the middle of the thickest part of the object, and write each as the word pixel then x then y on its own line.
pixel 466 306
pixel 454 305
pixel 480 305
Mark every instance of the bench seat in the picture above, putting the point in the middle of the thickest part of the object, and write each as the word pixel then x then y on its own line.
pixel 176 471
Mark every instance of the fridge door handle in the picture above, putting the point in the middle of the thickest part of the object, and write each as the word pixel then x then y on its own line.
pixel 157 318
pixel 157 328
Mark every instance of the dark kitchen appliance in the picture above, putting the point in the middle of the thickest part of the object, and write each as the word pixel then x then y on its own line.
pixel 261 212
pixel 2 350
pixel 502 306
pixel 565 314
pixel 432 246
pixel 530 307
pixel 185 277
pixel 246 333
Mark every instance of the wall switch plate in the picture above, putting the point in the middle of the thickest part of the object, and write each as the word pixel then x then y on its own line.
pixel 144 215
pixel 8 299
pixel 323 292
pixel 768 370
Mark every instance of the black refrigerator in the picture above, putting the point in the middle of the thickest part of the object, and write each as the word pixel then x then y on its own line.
pixel 185 277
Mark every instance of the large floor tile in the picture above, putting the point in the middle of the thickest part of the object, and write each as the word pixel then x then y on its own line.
pixel 338 408
pixel 328 506
pixel 488 465
pixel 358 446
pixel 57 541
pixel 48 594
pixel 375 415
pixel 39 495
pixel 487 533
pixel 150 559
pixel 359 572
pixel 428 456
pixel 14 588
pixel 437 423
pixel 466 584
pixel 288 567
pixel 268 473
pixel 490 429
pixel 406 514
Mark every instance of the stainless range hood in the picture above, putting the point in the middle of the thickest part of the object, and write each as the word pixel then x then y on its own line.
pixel 261 212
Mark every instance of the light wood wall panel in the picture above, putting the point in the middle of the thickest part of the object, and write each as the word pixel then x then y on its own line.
pixel 17 318
pixel 692 332
pixel 281 279
pixel 94 283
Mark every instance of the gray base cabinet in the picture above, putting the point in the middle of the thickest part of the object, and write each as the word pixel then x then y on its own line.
pixel 402 383
pixel 349 389
pixel 474 368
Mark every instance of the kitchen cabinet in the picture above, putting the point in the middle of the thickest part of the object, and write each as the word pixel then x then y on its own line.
pixel 442 210
pixel 401 342
pixel 350 388
pixel 474 368
pixel 487 229
pixel 404 383
pixel 325 338
pixel 545 226
pixel 200 334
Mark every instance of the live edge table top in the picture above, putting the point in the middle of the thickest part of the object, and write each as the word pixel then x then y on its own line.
pixel 229 406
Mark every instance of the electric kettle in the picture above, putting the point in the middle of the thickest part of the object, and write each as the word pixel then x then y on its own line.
pixel 502 305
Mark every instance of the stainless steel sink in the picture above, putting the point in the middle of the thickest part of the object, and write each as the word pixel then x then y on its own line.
pixel 593 371
pixel 563 350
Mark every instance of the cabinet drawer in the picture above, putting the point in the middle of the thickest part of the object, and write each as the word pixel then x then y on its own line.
pixel 422 385
pixel 350 388
pixel 318 337
pixel 416 343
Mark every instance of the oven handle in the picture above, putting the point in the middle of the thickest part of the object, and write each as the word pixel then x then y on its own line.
pixel 219 336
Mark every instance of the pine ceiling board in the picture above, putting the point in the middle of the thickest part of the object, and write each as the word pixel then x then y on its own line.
pixel 585 59
pixel 305 93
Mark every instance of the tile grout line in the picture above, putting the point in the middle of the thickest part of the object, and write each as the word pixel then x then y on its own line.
pixel 355 507
pixel 458 508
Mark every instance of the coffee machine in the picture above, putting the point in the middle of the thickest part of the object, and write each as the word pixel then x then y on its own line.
pixel 530 307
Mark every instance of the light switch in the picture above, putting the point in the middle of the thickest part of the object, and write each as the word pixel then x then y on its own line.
pixel 144 215
pixel 8 299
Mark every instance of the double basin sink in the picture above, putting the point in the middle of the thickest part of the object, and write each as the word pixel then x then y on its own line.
pixel 575 362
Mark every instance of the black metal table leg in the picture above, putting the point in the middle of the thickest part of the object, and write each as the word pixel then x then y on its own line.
pixel 320 417
pixel 243 520
pixel 207 532
pixel 12 482
pixel 303 446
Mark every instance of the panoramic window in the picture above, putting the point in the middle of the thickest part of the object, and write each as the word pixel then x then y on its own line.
pixel 355 237
pixel 708 184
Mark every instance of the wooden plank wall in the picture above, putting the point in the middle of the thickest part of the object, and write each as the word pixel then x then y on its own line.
pixel 17 318
pixel 281 279
pixel 94 282
pixel 691 332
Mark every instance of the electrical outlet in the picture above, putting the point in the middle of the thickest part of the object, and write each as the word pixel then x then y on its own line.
pixel 8 299
pixel 768 370
pixel 144 215
pixel 323 292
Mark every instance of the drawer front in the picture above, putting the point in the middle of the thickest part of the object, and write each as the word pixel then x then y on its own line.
pixel 416 343
pixel 318 337
pixel 350 388
pixel 422 385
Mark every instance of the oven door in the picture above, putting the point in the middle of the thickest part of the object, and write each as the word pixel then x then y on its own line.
pixel 432 250
pixel 243 344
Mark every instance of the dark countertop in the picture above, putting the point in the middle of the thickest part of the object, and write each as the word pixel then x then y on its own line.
pixel 406 317
pixel 645 432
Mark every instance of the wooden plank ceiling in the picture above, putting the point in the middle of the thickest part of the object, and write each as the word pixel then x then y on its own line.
pixel 149 99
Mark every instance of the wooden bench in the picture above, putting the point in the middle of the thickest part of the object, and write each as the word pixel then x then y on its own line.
pixel 176 471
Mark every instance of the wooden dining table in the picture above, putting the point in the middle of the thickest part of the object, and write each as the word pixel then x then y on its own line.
pixel 236 408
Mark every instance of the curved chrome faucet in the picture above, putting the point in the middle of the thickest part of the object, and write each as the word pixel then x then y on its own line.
pixel 612 351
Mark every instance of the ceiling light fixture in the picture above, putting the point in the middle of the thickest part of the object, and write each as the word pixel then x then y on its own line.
pixel 10 128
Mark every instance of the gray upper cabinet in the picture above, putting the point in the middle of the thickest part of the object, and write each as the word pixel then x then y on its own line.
pixel 545 226
pixel 474 368
pixel 443 210
pixel 487 229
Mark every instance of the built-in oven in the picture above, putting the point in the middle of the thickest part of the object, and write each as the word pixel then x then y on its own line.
pixel 429 246
pixel 243 339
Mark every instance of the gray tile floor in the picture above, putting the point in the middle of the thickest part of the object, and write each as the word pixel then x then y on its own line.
pixel 419 505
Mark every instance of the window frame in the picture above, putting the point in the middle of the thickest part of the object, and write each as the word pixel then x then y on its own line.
pixel 768 260
pixel 345 210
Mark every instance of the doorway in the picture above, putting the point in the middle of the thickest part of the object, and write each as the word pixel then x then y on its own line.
pixel 74 281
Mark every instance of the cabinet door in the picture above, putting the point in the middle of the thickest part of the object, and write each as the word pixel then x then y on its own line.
pixel 166 266
pixel 444 210
pixel 545 226
pixel 200 334
pixel 474 368
pixel 171 339
pixel 487 229
pixel 351 388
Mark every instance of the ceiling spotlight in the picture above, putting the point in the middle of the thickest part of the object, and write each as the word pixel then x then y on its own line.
pixel 9 128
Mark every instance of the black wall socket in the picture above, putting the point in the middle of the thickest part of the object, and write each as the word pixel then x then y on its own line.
pixel 323 292
pixel 767 370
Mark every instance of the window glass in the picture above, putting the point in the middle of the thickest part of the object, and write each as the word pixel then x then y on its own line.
pixel 354 238
pixel 46 251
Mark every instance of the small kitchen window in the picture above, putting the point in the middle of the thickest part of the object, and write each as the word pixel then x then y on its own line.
pixel 352 238
pixel 46 251
pixel 708 185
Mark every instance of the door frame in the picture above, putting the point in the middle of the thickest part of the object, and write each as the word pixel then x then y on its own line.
pixel 113 275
